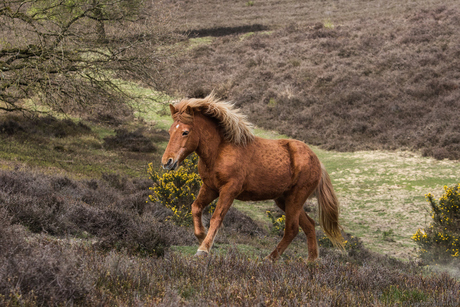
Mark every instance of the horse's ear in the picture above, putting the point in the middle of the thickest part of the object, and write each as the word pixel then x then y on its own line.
pixel 173 109
pixel 189 110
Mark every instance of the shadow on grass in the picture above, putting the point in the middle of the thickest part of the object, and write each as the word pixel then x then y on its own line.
pixel 224 31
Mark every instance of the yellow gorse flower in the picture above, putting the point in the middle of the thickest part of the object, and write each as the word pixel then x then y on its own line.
pixel 177 190
pixel 443 234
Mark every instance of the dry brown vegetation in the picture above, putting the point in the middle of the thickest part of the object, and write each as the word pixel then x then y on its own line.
pixel 340 75
pixel 41 270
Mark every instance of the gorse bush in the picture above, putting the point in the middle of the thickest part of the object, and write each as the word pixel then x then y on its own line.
pixel 352 243
pixel 278 224
pixel 441 240
pixel 177 190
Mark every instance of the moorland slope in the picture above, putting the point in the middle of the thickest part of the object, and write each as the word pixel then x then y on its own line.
pixel 347 75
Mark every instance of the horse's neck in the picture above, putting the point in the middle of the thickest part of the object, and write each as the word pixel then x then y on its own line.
pixel 210 140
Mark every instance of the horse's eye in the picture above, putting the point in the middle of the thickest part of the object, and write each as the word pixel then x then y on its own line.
pixel 185 133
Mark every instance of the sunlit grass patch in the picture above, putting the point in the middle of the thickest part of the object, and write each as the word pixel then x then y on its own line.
pixel 77 155
pixel 384 190
pixel 198 41
pixel 150 105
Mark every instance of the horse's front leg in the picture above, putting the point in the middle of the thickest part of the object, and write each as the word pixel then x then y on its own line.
pixel 226 196
pixel 204 198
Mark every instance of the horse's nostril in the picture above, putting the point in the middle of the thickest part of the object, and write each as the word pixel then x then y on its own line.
pixel 170 161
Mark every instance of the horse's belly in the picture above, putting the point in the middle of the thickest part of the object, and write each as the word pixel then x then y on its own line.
pixel 267 182
pixel 264 192
pixel 257 195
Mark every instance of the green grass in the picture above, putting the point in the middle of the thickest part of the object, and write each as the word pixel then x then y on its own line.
pixel 77 157
pixel 268 134
pixel 84 156
pixel 222 249
pixel 150 105
pixel 199 41
pixel 256 211
pixel 385 191
pixel 394 294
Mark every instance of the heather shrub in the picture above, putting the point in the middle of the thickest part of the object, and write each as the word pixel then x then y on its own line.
pixel 441 240
pixel 45 126
pixel 240 223
pixel 132 141
pixel 36 272
pixel 342 95
pixel 41 271
pixel 113 213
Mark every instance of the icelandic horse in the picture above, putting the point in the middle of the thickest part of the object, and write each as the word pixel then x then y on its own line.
pixel 235 164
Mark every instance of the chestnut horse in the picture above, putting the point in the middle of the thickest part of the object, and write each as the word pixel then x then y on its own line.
pixel 235 164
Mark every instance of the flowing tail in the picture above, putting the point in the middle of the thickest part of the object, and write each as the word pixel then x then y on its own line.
pixel 328 207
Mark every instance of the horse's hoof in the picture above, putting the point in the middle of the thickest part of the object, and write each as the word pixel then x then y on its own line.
pixel 313 263
pixel 201 254
pixel 269 259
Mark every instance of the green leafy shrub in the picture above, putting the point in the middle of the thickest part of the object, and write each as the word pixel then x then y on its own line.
pixel 441 240
pixel 177 190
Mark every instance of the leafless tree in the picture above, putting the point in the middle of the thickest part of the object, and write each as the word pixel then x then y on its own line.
pixel 70 55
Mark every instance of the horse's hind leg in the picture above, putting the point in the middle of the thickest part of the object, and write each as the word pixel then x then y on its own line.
pixel 290 231
pixel 293 207
pixel 308 227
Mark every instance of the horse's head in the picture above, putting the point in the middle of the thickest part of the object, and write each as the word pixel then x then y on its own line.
pixel 183 139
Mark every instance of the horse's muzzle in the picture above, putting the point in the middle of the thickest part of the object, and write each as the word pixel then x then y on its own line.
pixel 171 164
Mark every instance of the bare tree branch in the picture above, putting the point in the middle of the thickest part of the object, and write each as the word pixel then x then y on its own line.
pixel 67 54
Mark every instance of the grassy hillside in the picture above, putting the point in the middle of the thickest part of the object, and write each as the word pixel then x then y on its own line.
pixel 381 193
pixel 347 75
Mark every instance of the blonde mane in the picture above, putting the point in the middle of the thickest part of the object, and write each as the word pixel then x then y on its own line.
pixel 236 128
